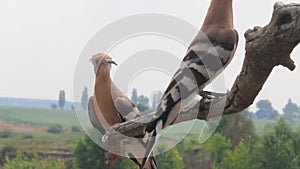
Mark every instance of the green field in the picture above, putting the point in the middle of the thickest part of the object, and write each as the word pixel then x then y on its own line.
pixel 68 119
pixel 38 117
pixel 28 134
pixel 194 128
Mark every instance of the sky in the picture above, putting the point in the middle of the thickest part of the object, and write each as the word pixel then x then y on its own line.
pixel 42 43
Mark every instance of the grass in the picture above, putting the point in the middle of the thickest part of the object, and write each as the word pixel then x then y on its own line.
pixel 68 119
pixel 194 128
pixel 39 117
pixel 36 139
pixel 46 143
pixel 37 121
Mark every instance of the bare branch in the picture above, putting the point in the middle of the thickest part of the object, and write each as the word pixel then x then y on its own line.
pixel 265 48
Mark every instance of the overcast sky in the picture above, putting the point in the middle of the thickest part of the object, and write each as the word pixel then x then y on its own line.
pixel 41 41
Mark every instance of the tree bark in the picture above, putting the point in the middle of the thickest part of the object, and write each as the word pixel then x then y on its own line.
pixel 266 48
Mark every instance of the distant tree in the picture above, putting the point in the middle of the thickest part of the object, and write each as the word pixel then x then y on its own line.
pixel 266 111
pixel 237 127
pixel 143 108
pixel 75 129
pixel 134 96
pixel 251 115
pixel 143 100
pixel 189 150
pixel 72 107
pixel 55 128
pixel 62 99
pixel 291 111
pixel 156 99
pixel 54 106
pixel 84 98
pixel 215 147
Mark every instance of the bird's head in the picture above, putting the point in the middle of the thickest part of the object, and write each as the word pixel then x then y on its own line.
pixel 102 61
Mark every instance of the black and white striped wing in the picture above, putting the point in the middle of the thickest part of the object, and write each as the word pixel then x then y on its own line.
pixel 207 56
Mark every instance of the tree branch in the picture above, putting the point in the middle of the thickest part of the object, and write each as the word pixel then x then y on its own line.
pixel 266 48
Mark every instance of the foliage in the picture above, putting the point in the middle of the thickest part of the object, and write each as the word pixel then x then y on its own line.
pixel 291 111
pixel 239 158
pixel 84 98
pixel 169 159
pixel 28 136
pixel 186 145
pixel 143 108
pixel 55 128
pixel 234 134
pixel 278 145
pixel 61 99
pixel 53 106
pixel 277 148
pixel 141 101
pixel 5 134
pixel 216 147
pixel 189 150
pixel 8 149
pixel 237 128
pixel 89 155
pixel 75 129
pixel 297 140
pixel 36 163
pixel 265 110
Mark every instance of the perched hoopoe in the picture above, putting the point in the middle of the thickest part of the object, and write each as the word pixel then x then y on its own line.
pixel 109 106
pixel 208 54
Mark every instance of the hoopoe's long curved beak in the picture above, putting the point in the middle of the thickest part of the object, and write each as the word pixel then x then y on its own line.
pixel 110 61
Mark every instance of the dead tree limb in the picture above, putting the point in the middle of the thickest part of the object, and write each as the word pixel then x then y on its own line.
pixel 266 48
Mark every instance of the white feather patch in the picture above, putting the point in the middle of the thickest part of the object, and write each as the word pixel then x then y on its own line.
pixel 163 105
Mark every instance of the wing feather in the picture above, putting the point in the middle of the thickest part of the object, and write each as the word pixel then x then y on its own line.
pixel 125 107
pixel 96 117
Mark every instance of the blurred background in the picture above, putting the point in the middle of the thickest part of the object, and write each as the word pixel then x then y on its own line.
pixel 41 43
